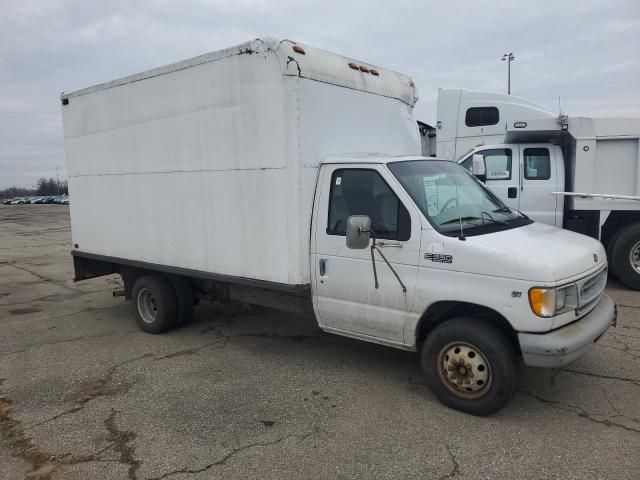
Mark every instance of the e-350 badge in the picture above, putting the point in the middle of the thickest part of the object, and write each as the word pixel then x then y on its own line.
pixel 438 257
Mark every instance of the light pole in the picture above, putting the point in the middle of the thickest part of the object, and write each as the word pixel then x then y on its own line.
pixel 509 57
pixel 58 180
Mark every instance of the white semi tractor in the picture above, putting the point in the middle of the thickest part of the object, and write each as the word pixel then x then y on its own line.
pixel 578 173
pixel 234 176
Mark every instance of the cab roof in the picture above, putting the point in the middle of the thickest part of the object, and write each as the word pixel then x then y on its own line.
pixel 377 158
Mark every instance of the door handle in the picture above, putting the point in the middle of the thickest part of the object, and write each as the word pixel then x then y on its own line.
pixel 323 267
pixel 512 192
pixel 388 244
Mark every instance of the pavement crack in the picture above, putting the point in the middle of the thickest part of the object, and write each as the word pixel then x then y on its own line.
pixel 579 412
pixel 58 283
pixel 42 463
pixel 633 381
pixel 102 387
pixel 121 444
pixel 230 455
pixel 456 466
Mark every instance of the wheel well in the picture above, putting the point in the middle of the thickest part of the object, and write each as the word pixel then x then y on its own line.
pixel 616 222
pixel 440 312
pixel 129 276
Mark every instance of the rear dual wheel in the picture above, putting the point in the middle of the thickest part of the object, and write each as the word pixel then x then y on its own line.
pixel 161 303
pixel 470 366
pixel 624 255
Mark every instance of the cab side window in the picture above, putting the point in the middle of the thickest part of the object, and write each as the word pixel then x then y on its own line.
pixel 537 164
pixel 498 162
pixel 481 116
pixel 364 192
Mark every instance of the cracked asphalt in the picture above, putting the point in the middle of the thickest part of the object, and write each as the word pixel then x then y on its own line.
pixel 256 393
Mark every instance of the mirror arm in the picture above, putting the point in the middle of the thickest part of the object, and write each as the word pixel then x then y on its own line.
pixel 404 289
pixel 374 246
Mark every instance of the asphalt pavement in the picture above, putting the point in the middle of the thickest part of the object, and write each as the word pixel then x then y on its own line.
pixel 256 393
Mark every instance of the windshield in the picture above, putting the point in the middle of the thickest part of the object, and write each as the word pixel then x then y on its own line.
pixel 449 195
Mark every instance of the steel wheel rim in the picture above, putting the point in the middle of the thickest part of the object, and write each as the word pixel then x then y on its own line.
pixel 147 306
pixel 634 257
pixel 464 370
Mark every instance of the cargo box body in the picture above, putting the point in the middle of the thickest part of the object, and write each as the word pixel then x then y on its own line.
pixel 210 164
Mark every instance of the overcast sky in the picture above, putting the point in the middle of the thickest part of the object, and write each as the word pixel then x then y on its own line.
pixel 586 52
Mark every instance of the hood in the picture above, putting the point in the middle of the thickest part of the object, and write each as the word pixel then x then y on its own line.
pixel 565 255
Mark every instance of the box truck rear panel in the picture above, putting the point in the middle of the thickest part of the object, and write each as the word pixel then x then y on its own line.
pixel 210 164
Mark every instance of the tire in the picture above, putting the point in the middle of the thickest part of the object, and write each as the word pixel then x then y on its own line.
pixel 154 304
pixel 479 356
pixel 184 298
pixel 625 256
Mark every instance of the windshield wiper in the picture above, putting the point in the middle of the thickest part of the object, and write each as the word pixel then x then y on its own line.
pixel 506 209
pixel 458 220
pixel 467 219
pixel 491 219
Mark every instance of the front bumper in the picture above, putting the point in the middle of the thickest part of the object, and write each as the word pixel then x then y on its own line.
pixel 566 344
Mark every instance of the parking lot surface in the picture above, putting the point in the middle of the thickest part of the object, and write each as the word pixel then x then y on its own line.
pixel 256 393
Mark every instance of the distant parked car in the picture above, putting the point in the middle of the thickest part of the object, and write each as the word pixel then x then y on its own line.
pixel 17 201
pixel 7 201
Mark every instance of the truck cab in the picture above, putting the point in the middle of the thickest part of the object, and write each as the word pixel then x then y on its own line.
pixel 415 253
pixel 525 176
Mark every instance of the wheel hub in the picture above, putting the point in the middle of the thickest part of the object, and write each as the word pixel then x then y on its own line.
pixel 634 257
pixel 464 370
pixel 147 306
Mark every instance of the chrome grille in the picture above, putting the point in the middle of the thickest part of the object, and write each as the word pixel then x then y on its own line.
pixel 590 289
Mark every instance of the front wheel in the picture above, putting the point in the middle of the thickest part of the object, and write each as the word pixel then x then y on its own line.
pixel 470 366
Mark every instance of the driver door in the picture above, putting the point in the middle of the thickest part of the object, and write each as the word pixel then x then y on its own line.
pixel 345 298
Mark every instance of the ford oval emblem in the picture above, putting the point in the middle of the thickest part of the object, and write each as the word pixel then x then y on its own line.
pixel 595 258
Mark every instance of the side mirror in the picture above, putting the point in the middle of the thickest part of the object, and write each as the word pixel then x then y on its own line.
pixel 478 168
pixel 358 228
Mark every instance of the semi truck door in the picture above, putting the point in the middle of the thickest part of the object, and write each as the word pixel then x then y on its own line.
pixel 538 177
pixel 502 167
pixel 346 300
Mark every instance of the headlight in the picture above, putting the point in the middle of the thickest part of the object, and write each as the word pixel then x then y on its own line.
pixel 548 302
pixel 543 301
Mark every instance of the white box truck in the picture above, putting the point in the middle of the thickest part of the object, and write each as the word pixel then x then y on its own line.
pixel 235 175
pixel 578 173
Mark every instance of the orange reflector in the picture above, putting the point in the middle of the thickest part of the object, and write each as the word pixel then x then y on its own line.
pixel 354 66
pixel 298 49
pixel 364 69
pixel 374 72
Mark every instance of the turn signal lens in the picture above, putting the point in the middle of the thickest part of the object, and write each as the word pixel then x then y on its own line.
pixel 543 301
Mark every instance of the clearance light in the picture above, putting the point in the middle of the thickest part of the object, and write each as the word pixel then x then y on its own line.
pixel 354 66
pixel 364 69
pixel 374 72
pixel 299 49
